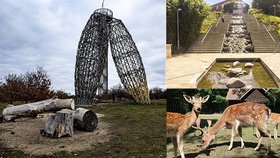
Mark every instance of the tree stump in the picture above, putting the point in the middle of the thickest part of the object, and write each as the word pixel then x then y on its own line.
pixel 85 120
pixel 59 124
pixel 32 109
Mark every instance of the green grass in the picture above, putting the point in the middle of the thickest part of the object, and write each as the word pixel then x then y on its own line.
pixel 136 131
pixel 218 148
pixel 259 73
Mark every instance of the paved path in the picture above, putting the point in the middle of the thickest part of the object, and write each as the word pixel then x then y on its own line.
pixel 183 70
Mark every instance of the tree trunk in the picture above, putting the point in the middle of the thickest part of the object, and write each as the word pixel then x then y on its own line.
pixel 32 109
pixel 85 119
pixel 59 124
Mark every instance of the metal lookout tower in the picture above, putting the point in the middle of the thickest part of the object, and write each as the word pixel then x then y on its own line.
pixel 91 71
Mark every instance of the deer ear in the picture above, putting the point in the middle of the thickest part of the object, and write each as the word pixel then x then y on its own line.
pixel 188 98
pixel 204 99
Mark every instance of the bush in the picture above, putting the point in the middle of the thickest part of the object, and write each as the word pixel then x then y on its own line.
pixel 210 20
pixel 61 94
pixel 28 87
pixel 267 19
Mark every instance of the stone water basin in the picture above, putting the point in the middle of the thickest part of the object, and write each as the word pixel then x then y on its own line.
pixel 221 73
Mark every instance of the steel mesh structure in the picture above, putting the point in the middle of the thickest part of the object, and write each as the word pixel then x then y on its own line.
pixel 92 59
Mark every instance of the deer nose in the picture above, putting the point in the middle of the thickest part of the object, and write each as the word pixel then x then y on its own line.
pixel 198 109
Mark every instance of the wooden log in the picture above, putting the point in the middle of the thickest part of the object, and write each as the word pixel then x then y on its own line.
pixel 85 119
pixel 32 109
pixel 59 124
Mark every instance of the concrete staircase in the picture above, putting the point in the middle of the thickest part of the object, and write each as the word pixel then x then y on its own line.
pixel 261 39
pixel 277 41
pixel 212 43
pixel 213 40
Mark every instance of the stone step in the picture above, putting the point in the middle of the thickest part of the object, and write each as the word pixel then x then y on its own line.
pixel 213 41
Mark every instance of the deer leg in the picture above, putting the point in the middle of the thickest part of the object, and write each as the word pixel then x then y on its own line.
pixel 180 144
pixel 232 137
pixel 175 145
pixel 259 143
pixel 258 133
pixel 276 131
pixel 264 131
pixel 240 135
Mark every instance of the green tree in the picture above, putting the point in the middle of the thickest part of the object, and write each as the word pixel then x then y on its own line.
pixel 274 96
pixel 190 21
pixel 267 6
pixel 228 8
pixel 215 104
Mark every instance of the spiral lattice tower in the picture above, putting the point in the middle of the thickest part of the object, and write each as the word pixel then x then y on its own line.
pixel 92 59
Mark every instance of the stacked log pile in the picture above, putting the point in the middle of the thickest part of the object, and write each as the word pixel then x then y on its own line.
pixel 59 124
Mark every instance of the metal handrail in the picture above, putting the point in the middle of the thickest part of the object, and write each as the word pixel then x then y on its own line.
pixel 270 36
pixel 269 33
pixel 256 20
pixel 206 34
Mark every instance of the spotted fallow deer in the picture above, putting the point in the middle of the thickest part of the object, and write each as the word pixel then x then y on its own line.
pixel 238 115
pixel 274 120
pixel 177 124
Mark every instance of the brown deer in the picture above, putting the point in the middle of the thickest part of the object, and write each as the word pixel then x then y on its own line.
pixel 177 124
pixel 238 115
pixel 274 120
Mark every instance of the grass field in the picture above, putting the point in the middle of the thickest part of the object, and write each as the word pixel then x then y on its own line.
pixel 136 131
pixel 218 148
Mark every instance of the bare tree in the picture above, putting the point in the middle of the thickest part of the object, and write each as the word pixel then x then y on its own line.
pixel 38 85
pixel 157 93
pixel 13 88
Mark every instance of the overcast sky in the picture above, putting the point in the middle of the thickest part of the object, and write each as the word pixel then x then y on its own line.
pixel 46 33
pixel 217 1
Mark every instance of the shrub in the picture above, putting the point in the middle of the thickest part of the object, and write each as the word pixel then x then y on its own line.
pixel 267 19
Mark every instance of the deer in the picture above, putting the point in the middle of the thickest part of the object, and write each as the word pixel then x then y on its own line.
pixel 274 119
pixel 202 130
pixel 235 117
pixel 178 124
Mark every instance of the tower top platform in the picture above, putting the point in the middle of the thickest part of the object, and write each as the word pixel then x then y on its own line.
pixel 104 11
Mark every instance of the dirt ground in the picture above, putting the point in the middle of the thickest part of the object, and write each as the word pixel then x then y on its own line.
pixel 24 135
